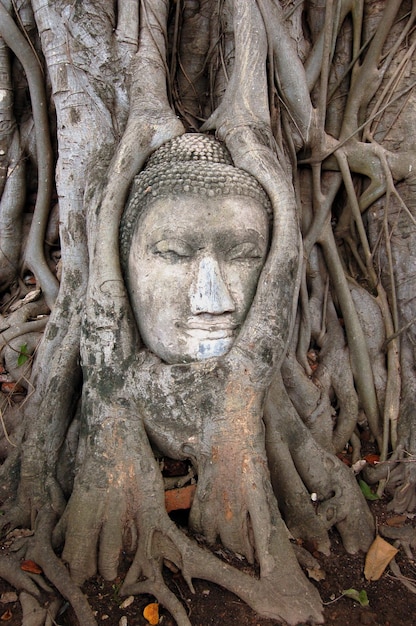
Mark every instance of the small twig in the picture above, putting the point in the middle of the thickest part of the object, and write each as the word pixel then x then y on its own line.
pixel 334 600
pixel 392 85
pixel 19 19
pixel 410 585
pixel 290 11
pixel 175 46
pixel 342 143
pixel 324 310
pixel 6 434
pixel 23 329
pixel 399 332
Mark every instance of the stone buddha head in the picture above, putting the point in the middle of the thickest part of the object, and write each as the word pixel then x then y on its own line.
pixel 193 240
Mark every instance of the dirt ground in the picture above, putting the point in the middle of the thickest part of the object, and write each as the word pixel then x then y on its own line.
pixel 390 602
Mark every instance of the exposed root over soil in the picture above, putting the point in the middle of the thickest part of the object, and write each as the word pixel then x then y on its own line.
pixel 390 603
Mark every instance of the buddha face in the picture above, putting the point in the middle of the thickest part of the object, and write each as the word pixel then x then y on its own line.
pixel 193 268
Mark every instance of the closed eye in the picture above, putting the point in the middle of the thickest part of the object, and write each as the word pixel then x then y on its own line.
pixel 244 251
pixel 172 249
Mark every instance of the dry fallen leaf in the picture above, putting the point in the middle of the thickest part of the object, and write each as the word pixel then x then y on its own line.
pixel 12 387
pixel 397 521
pixel 30 566
pixel 378 557
pixel 127 602
pixel 7 615
pixel 29 297
pixel 316 573
pixel 8 596
pixel 344 459
pixel 372 459
pixel 151 613
pixel 18 533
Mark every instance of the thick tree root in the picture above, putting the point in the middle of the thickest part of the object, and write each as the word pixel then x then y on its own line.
pixel 36 615
pixel 276 596
pixel 33 613
pixel 282 593
pixel 38 549
pixel 55 569
pixel 120 483
pixel 340 501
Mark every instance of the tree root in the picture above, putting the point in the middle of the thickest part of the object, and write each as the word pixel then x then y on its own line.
pixel 55 570
pixel 155 585
pixel 275 596
pixel 38 548
pixel 293 497
pixel 282 594
pixel 36 326
pixel 10 571
pixel 396 571
pixel 399 474
pixel 120 483
pixel 36 615
pixel 340 501
pixel 33 613
pixel 402 479
pixel 404 536
pixel 35 257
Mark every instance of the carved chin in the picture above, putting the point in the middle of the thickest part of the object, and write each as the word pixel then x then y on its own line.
pixel 193 349
pixel 213 348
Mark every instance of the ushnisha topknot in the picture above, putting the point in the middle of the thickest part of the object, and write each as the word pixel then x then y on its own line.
pixel 193 164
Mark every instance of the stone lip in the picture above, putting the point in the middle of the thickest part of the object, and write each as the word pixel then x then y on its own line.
pixel 205 333
pixel 210 330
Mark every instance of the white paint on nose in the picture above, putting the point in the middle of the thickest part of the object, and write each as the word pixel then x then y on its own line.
pixel 209 293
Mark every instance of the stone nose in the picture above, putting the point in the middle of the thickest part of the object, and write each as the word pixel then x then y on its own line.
pixel 209 292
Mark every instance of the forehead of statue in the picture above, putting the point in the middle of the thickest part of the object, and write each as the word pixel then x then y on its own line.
pixel 203 217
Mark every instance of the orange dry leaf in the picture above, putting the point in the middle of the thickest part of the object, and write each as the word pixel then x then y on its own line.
pixel 30 566
pixel 151 613
pixel 372 459
pixel 7 615
pixel 344 459
pixel 312 357
pixel 12 387
pixel 397 521
pixel 378 557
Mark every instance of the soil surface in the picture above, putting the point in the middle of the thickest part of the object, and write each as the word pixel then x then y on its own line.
pixel 390 602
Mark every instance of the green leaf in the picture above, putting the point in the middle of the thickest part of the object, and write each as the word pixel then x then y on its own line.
pixel 357 596
pixel 366 489
pixel 23 355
